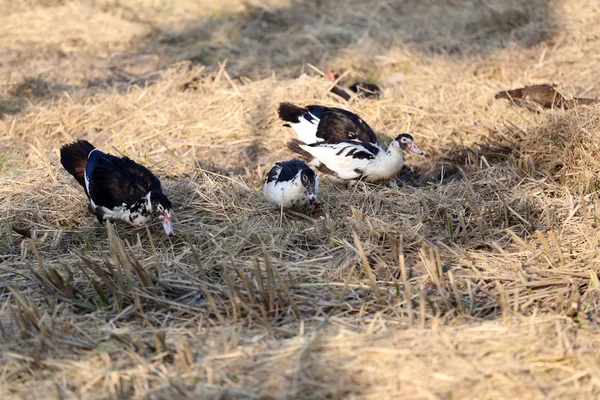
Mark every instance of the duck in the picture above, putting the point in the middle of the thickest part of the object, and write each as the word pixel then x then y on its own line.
pixel 545 95
pixel 291 184
pixel 362 89
pixel 315 123
pixel 118 188
pixel 351 160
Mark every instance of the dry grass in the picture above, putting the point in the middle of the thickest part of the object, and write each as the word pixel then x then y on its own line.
pixel 481 287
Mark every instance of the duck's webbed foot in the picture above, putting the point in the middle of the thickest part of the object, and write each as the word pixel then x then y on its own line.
pixel 392 184
pixel 100 216
pixel 97 211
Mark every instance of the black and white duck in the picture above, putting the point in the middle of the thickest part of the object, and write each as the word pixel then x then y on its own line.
pixel 117 188
pixel 338 142
pixel 314 124
pixel 361 89
pixel 351 160
pixel 291 184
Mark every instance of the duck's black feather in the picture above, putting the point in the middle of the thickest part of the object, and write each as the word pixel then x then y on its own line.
pixel 274 173
pixel 334 123
pixel 290 112
pixel 114 181
pixel 338 124
pixel 74 157
pixel 316 111
pixel 295 146
pixel 288 170
pixel 368 151
pixel 340 92
pixel 366 89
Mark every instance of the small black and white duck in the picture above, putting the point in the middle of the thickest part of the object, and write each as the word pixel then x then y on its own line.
pixel 291 184
pixel 362 89
pixel 117 188
pixel 350 160
pixel 314 124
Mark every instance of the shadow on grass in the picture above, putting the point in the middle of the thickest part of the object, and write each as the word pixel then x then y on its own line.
pixel 259 41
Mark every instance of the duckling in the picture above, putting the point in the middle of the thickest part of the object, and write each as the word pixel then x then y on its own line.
pixel 291 184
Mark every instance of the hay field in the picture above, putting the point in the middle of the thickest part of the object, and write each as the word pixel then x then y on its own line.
pixel 478 279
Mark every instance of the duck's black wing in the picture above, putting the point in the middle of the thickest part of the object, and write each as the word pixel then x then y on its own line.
pixel 292 113
pixel 114 181
pixel 338 124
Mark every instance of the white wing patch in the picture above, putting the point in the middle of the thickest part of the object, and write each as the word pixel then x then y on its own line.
pixel 334 157
pixel 87 183
pixel 307 130
pixel 123 214
pixel 87 187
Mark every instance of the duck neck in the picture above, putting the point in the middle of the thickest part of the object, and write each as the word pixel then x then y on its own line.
pixel 394 158
pixel 388 163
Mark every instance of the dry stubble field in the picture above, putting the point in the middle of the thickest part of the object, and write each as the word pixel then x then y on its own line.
pixel 483 287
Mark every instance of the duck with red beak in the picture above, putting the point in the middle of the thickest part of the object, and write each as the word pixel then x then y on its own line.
pixel 162 207
pixel 352 160
pixel 118 188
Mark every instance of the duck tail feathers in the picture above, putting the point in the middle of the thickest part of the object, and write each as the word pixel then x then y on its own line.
pixel 291 113
pixel 295 145
pixel 73 158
